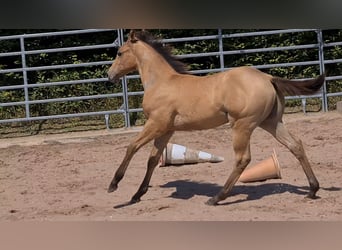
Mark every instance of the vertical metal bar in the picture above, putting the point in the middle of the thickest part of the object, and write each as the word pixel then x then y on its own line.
pixel 125 101
pixel 322 68
pixel 221 49
pixel 304 105
pixel 124 86
pixel 107 121
pixel 23 62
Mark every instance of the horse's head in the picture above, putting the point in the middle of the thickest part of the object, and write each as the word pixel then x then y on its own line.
pixel 125 61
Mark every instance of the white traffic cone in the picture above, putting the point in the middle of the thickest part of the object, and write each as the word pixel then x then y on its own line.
pixel 266 169
pixel 175 154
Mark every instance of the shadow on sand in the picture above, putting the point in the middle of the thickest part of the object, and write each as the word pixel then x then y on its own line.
pixel 186 189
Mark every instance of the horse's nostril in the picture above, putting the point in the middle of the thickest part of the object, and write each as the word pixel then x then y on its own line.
pixel 110 76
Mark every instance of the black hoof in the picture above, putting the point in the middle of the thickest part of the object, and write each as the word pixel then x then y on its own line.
pixel 211 202
pixel 112 188
pixel 312 196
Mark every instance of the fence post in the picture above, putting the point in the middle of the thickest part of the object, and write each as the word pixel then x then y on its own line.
pixel 221 49
pixel 322 68
pixel 124 86
pixel 23 64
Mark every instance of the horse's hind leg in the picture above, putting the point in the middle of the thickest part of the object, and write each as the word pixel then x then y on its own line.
pixel 241 145
pixel 158 146
pixel 279 131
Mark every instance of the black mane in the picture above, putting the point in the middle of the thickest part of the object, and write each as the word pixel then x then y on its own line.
pixel 163 50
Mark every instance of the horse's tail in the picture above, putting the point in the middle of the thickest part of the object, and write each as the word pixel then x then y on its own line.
pixel 298 87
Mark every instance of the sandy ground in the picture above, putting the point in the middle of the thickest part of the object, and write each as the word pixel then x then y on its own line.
pixel 65 177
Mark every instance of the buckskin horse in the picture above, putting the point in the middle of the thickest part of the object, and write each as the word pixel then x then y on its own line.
pixel 177 100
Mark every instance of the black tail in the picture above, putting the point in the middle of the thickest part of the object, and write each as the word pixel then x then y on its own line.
pixel 298 87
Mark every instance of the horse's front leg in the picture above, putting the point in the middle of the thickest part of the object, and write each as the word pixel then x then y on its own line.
pixel 158 147
pixel 149 132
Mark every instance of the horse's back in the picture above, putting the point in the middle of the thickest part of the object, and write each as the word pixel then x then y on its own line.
pixel 245 75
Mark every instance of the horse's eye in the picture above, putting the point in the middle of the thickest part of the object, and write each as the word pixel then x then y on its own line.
pixel 119 54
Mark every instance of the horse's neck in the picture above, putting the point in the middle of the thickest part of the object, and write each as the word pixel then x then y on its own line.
pixel 152 67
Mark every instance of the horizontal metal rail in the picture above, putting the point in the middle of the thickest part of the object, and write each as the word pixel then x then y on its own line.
pixel 64 99
pixel 50 84
pixel 68 49
pixel 38 118
pixel 59 66
pixel 53 33
pixel 234 35
pixel 246 51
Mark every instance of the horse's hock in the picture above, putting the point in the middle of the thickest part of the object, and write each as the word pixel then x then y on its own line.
pixel 339 106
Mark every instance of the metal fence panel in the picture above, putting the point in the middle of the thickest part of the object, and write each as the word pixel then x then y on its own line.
pixel 26 86
pixel 117 40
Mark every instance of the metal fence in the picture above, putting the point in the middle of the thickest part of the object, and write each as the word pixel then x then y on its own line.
pixel 318 45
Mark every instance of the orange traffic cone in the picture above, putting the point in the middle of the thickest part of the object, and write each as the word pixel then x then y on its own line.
pixel 266 169
pixel 175 154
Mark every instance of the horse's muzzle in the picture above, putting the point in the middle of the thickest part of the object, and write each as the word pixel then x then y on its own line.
pixel 113 78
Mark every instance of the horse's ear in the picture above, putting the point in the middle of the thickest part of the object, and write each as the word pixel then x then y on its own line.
pixel 132 36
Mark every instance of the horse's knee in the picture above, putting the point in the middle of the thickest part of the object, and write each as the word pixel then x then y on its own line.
pixel 242 162
pixel 131 149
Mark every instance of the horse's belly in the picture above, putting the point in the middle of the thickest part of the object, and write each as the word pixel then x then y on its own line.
pixel 199 121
